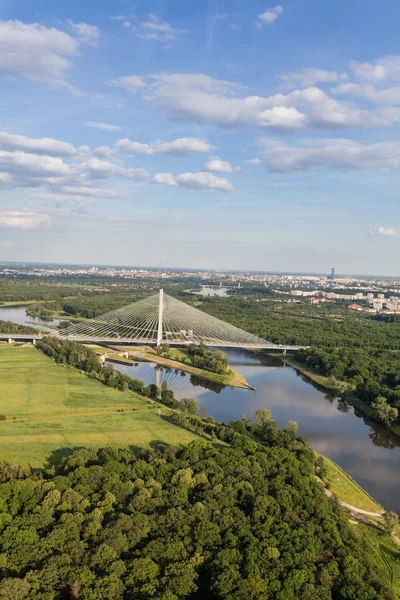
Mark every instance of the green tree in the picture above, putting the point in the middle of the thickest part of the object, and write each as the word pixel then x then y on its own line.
pixel 384 411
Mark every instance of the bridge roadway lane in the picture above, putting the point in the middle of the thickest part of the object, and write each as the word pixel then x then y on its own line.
pixel 31 338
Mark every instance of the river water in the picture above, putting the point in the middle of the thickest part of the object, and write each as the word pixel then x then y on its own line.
pixel 17 314
pixel 367 451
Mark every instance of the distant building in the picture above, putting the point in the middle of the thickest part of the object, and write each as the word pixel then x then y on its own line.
pixel 355 307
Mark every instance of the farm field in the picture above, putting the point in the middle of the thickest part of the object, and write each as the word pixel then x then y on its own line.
pixel 48 410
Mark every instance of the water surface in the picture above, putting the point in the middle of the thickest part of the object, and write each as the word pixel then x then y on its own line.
pixel 17 314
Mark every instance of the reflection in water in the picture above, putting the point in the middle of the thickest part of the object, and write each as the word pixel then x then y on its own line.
pixel 367 451
pixel 206 384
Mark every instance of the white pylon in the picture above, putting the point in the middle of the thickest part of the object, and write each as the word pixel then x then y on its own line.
pixel 160 318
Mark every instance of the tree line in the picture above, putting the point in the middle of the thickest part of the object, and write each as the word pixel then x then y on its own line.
pixel 373 375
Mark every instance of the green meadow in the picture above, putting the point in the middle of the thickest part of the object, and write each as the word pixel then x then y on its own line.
pixel 47 410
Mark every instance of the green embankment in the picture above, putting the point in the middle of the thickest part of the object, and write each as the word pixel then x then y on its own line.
pixel 49 407
pixel 346 489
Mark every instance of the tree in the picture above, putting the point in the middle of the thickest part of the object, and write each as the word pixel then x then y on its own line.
pixel 384 411
pixel 263 416
pixel 390 520
pixel 189 405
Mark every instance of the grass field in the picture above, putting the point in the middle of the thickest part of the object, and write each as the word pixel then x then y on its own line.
pixel 345 488
pixel 386 553
pixel 50 408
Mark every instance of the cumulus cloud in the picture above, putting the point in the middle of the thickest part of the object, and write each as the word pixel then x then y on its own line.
pixel 130 83
pixel 155 29
pixel 331 154
pixel 86 34
pixel 382 232
pixel 310 76
pixel 219 166
pixel 103 126
pixel 178 147
pixel 32 165
pixel 195 181
pixel 167 178
pixel 35 52
pixel 384 68
pixel 23 219
pixel 387 96
pixel 202 99
pixel 103 151
pixel 102 169
pixel 48 146
pixel 269 16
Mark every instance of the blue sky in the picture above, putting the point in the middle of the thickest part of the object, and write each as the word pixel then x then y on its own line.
pixel 230 134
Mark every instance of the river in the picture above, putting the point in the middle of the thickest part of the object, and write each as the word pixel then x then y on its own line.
pixel 17 314
pixel 368 452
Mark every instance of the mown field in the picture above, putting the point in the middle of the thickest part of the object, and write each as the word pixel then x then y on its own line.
pixel 50 409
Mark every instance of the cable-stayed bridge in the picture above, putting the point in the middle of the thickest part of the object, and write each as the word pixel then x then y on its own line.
pixel 161 318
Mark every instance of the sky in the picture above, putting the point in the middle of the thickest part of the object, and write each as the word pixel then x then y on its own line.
pixel 229 134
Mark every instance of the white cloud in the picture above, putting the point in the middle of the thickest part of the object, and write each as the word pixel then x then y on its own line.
pixel 331 154
pixel 384 68
pixel 310 76
pixel 131 83
pixel 48 146
pixel 31 165
pixel 155 29
pixel 35 52
pixel 269 16
pixel 178 147
pixel 82 195
pixel 103 151
pixel 103 169
pixel 202 99
pixel 195 181
pixel 23 219
pixel 381 232
pixel 167 178
pixel 91 191
pixel 86 34
pixel 103 126
pixel 219 166
pixel 388 96
pixel 254 161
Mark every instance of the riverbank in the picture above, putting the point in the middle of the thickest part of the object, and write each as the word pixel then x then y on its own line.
pixel 176 362
pixel 339 387
pixel 322 380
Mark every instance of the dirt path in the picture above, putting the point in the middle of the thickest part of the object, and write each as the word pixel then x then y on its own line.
pixel 349 507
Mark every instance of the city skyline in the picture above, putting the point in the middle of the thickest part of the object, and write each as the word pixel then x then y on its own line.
pixel 231 135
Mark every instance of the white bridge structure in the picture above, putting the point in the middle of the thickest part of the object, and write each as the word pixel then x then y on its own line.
pixel 161 318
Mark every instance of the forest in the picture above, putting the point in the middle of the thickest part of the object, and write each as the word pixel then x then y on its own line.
pixel 210 360
pixel 245 520
pixel 8 327
pixel 304 325
pixel 374 375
